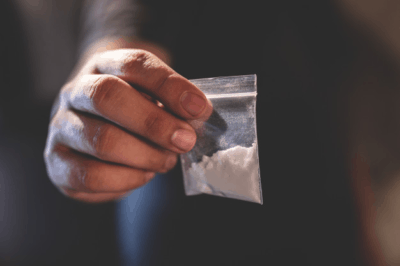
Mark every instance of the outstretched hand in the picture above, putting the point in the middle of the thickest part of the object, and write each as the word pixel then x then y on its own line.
pixel 107 136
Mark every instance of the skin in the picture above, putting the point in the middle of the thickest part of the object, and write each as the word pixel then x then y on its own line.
pixel 123 116
pixel 98 152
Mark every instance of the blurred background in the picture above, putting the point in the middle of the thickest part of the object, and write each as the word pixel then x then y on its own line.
pixel 39 226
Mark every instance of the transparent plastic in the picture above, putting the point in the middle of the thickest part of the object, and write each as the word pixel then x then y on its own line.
pixel 224 162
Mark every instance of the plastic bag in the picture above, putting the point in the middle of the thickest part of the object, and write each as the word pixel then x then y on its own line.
pixel 224 162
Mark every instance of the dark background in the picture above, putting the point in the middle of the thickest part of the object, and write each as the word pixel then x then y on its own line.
pixel 38 225
pixel 314 52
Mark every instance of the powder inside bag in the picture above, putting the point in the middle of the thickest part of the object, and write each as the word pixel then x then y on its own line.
pixel 232 172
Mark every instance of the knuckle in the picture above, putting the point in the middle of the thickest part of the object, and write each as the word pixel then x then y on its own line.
pixel 87 178
pixel 103 141
pixel 59 169
pixel 152 124
pixel 101 91
pixel 65 91
pixel 142 55
pixel 47 153
pixel 137 60
pixel 144 61
pixel 55 127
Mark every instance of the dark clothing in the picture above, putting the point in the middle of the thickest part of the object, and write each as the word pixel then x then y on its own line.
pixel 300 53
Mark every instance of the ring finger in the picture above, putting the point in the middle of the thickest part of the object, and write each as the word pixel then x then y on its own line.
pixel 108 142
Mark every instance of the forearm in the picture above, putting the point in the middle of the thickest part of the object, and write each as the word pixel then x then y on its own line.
pixel 114 24
pixel 103 29
pixel 122 42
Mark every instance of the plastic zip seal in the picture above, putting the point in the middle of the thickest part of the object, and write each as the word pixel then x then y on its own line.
pixel 225 162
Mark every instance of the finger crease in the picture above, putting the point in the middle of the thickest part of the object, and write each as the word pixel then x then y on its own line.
pixel 163 82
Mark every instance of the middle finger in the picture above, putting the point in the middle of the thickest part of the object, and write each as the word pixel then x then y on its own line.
pixel 107 142
pixel 114 99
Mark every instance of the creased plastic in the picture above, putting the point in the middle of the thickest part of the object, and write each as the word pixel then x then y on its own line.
pixel 224 161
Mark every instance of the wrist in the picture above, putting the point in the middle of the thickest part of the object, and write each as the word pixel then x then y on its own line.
pixel 126 42
pixel 114 43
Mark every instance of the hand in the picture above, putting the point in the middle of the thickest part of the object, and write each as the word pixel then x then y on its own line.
pixel 107 137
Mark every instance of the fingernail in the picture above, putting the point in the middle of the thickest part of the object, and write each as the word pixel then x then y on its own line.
pixel 184 139
pixel 170 163
pixel 149 176
pixel 193 103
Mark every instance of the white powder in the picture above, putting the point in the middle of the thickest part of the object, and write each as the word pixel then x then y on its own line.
pixel 233 172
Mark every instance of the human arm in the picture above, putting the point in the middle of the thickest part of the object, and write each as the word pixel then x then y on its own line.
pixel 106 136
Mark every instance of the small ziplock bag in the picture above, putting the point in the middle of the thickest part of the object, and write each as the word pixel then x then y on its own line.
pixel 224 162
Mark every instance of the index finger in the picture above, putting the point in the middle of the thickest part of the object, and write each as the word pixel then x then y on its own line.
pixel 145 70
